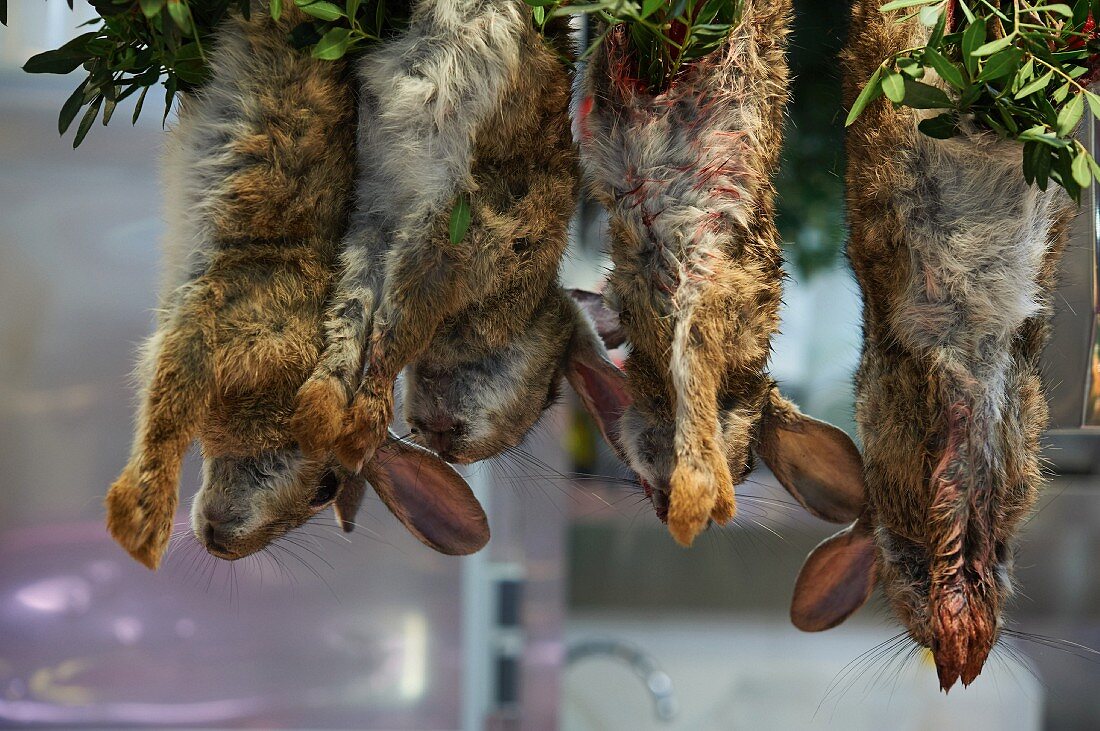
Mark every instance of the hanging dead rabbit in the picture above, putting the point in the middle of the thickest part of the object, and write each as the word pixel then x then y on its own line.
pixel 261 166
pixel 469 103
pixel 686 173
pixel 956 257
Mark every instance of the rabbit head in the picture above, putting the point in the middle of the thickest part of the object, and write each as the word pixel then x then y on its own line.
pixel 470 405
pixel 956 257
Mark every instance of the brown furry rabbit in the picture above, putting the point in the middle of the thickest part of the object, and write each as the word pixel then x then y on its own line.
pixel 956 257
pixel 469 100
pixel 262 167
pixel 686 175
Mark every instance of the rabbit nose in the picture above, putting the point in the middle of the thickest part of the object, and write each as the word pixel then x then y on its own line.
pixel 216 529
pixel 442 432
pixel 213 535
pixel 217 515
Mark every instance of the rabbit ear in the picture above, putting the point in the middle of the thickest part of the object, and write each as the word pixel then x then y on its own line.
pixel 599 383
pixel 836 579
pixel 605 319
pixel 817 463
pixel 428 496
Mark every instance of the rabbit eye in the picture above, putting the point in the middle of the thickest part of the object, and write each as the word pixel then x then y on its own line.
pixel 326 491
pixel 553 394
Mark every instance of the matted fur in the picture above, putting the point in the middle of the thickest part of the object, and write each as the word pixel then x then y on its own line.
pixel 687 177
pixel 260 168
pixel 956 256
pixel 468 100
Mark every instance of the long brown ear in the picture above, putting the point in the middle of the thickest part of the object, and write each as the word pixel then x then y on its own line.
pixel 599 383
pixel 836 579
pixel 603 317
pixel 428 496
pixel 817 463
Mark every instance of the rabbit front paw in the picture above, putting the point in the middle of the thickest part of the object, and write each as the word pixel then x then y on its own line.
pixel 698 493
pixel 318 416
pixel 139 516
pixel 366 426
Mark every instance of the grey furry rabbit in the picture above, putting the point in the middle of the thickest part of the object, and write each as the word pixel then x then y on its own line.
pixel 262 165
pixel 467 101
pixel 956 257
pixel 686 176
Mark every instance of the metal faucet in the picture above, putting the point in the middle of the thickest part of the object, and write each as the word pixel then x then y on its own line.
pixel 644 666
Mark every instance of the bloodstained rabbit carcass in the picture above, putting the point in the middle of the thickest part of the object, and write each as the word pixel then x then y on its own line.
pixel 686 174
pixel 956 258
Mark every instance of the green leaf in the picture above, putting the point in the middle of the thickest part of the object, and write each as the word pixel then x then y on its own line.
pixel 1093 166
pixel 1036 163
pixel 61 60
pixel 149 8
pixel 333 45
pixel 1094 103
pixel 942 127
pixel 871 91
pixel 973 38
pixel 893 85
pixel 948 71
pixel 1040 134
pixel 352 7
pixel 1059 9
pixel 70 109
pixel 1081 172
pixel 86 121
pixel 181 15
pixel 988 49
pixel 651 6
pixel 1034 86
pixel 1061 93
pixel 911 67
pixel 140 103
pixel 930 15
pixel 899 4
pixel 1070 115
pixel 1001 64
pixel 460 219
pixel 276 9
pixel 924 96
pixel 109 110
pixel 320 9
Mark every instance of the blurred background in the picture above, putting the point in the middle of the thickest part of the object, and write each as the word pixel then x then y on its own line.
pixel 581 614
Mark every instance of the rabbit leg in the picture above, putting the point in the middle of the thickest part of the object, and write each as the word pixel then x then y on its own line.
pixel 323 399
pixel 425 285
pixel 142 501
pixel 700 487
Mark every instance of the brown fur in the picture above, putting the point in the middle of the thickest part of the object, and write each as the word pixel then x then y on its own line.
pixel 460 314
pixel 237 338
pixel 948 485
pixel 687 176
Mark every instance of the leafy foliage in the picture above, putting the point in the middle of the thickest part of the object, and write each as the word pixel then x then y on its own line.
pixel 139 44
pixel 1010 66
pixel 666 34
